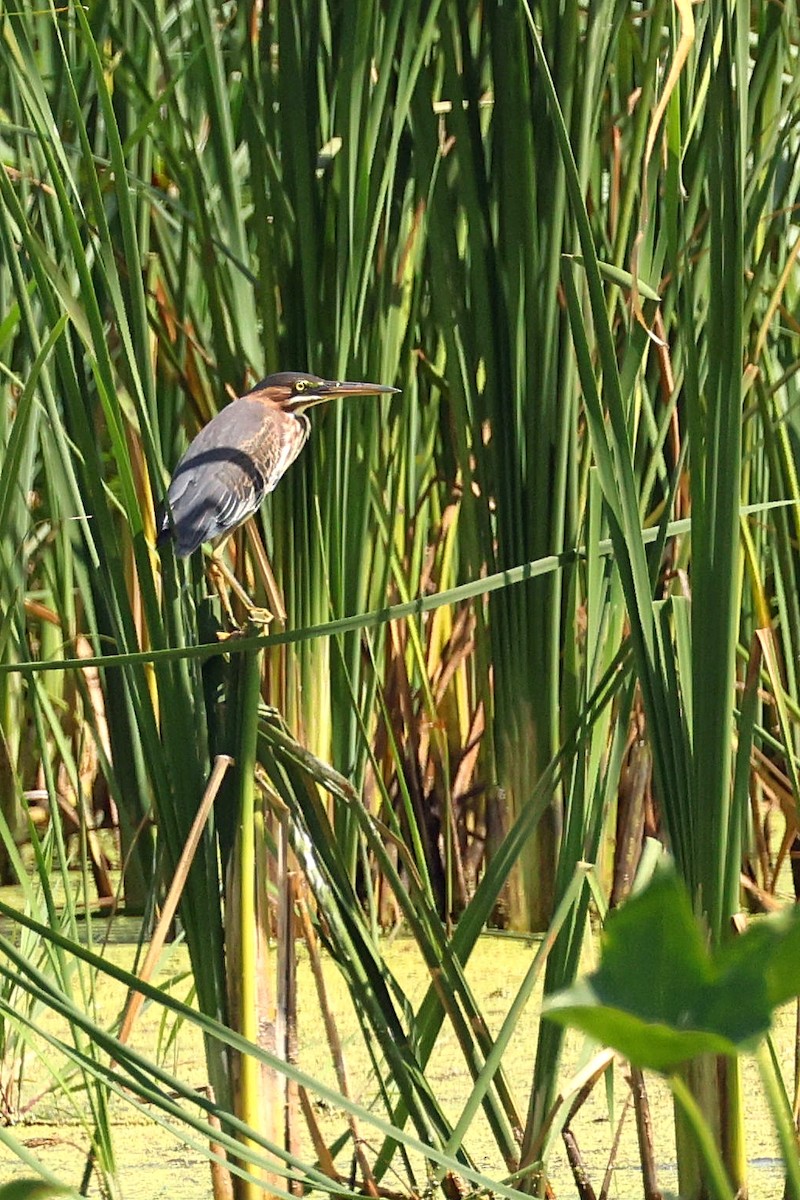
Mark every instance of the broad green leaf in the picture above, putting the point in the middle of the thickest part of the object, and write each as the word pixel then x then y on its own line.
pixel 659 997
pixel 32 1189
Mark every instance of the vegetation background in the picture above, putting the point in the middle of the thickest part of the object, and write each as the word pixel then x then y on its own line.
pixel 539 604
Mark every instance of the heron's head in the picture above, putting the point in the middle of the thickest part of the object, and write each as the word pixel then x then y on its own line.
pixel 294 391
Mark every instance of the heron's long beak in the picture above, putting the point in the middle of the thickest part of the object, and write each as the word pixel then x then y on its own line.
pixel 334 388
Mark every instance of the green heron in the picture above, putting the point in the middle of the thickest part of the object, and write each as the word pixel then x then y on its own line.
pixel 242 454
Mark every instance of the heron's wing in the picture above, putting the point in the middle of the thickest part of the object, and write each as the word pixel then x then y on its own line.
pixel 226 472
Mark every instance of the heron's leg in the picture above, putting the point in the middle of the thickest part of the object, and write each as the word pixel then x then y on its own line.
pixel 226 582
pixel 217 579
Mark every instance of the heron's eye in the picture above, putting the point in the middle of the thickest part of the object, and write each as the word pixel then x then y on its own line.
pixel 301 385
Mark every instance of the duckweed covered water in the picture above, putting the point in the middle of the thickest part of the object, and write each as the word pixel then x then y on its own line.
pixel 153 1163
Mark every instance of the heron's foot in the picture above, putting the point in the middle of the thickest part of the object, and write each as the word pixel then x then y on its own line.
pixel 258 618
pixel 225 583
pixel 255 622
